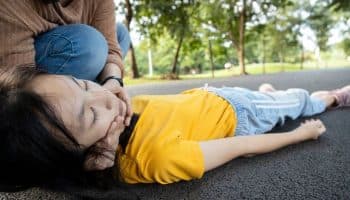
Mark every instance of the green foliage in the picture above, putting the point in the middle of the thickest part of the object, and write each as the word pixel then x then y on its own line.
pixel 321 21
pixel 343 5
pixel 346 46
pixel 162 52
pixel 157 18
pixel 273 31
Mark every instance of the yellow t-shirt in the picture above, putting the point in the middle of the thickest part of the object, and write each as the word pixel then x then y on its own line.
pixel 164 145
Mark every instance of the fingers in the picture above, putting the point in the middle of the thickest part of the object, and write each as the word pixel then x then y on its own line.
pixel 128 112
pixel 311 129
pixel 97 160
pixel 316 123
pixel 126 99
pixel 115 88
pixel 110 141
pixel 119 125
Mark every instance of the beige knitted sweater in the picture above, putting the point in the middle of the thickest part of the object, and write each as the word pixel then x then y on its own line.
pixel 22 20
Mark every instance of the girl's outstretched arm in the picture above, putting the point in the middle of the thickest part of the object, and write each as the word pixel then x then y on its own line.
pixel 219 151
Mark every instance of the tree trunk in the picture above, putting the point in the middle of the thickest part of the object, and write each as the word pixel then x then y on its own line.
pixel 135 71
pixel 302 58
pixel 264 59
pixel 211 59
pixel 240 49
pixel 281 60
pixel 174 68
pixel 150 62
pixel 128 17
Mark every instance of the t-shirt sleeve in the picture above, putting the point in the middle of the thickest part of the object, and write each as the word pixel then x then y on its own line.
pixel 104 21
pixel 174 161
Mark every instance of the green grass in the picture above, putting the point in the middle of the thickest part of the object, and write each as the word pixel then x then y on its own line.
pixel 250 68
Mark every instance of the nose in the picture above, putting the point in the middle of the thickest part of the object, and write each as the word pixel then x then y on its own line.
pixel 101 98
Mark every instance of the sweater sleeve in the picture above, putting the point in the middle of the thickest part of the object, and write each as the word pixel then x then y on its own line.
pixel 103 20
pixel 16 40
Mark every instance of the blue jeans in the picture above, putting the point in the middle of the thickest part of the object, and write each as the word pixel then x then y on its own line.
pixel 76 49
pixel 259 112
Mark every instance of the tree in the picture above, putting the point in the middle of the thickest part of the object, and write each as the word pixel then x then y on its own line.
pixel 346 46
pixel 156 17
pixel 343 5
pixel 126 8
pixel 234 18
pixel 317 16
pixel 320 20
pixel 342 8
pixel 129 16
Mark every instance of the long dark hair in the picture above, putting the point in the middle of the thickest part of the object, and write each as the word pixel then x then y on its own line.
pixel 30 154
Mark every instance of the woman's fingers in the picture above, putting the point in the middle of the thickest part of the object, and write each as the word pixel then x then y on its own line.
pixel 111 140
pixel 113 86
pixel 119 124
pixel 125 97
pixel 111 136
pixel 128 111
pixel 98 160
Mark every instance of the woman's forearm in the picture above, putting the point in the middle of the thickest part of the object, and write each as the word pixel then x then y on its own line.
pixel 220 151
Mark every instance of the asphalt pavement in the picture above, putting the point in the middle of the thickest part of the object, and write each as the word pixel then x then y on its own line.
pixel 310 170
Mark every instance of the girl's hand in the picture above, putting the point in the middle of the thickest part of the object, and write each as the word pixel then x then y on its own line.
pixel 311 129
pixel 102 154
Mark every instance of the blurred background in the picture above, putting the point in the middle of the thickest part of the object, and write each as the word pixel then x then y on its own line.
pixel 184 39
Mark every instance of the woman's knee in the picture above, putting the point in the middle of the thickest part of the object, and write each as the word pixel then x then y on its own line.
pixel 82 51
pixel 90 45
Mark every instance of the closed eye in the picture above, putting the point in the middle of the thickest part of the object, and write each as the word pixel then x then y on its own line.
pixel 81 113
pixel 95 115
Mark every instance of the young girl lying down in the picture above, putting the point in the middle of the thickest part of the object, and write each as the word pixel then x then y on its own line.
pixel 59 129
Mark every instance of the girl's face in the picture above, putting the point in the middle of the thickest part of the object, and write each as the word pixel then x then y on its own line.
pixel 87 109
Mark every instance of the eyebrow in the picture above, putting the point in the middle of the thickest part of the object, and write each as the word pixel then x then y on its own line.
pixel 82 110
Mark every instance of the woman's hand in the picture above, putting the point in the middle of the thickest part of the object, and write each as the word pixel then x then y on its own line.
pixel 102 155
pixel 114 86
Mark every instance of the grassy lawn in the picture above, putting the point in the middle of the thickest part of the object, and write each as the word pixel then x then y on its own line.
pixel 250 68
